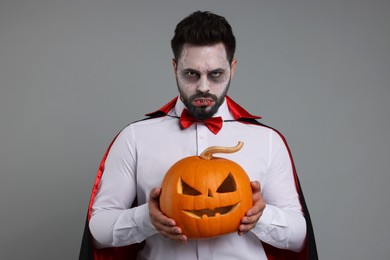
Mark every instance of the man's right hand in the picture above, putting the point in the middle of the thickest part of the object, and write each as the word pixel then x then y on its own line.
pixel 166 226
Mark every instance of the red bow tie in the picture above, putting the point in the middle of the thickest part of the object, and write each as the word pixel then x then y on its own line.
pixel 213 123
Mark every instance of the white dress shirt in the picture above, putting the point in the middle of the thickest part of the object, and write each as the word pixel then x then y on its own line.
pixel 143 152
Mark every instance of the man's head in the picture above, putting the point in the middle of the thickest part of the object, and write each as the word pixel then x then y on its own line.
pixel 204 62
pixel 202 29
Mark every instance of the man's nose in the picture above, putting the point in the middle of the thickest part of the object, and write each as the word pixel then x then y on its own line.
pixel 203 84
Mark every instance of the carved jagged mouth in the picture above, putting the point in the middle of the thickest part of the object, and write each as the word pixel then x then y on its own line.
pixel 210 213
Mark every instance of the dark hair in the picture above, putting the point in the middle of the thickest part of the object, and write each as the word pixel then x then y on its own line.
pixel 203 29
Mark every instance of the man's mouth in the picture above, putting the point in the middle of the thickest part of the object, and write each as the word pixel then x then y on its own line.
pixel 203 102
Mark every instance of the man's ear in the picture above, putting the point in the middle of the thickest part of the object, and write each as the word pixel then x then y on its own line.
pixel 174 63
pixel 233 68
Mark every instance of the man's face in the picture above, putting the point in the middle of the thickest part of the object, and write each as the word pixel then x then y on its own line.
pixel 203 75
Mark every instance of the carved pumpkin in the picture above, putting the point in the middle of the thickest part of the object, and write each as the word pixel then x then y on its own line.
pixel 207 196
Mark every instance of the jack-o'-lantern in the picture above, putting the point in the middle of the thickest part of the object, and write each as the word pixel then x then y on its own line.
pixel 207 196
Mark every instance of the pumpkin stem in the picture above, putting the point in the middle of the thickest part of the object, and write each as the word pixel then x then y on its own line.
pixel 207 154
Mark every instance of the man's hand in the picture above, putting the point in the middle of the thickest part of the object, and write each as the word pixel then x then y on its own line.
pixel 166 226
pixel 253 214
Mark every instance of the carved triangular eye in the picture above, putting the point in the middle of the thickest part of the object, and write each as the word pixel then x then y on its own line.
pixel 186 189
pixel 228 185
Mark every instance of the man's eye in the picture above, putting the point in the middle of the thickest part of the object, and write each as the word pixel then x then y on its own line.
pixel 216 74
pixel 190 74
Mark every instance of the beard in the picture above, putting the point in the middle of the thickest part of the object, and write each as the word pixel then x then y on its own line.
pixel 203 112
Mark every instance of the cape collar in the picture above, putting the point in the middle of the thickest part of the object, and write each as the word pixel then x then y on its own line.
pixel 238 112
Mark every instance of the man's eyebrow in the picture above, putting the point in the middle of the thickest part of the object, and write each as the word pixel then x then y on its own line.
pixel 190 70
pixel 217 70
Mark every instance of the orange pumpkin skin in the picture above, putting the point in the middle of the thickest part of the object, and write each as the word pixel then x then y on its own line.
pixel 206 198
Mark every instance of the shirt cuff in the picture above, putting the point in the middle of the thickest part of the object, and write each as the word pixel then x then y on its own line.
pixel 272 216
pixel 142 219
pixel 271 224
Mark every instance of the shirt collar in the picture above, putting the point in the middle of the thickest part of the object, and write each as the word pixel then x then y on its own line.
pixel 229 110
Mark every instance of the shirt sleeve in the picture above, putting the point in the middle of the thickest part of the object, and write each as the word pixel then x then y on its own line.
pixel 113 222
pixel 282 223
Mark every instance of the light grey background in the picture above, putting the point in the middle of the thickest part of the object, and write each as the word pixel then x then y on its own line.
pixel 73 73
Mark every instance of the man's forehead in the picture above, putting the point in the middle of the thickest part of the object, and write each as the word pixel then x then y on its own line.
pixel 217 50
pixel 213 56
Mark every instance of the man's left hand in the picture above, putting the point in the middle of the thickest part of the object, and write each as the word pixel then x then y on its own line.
pixel 253 214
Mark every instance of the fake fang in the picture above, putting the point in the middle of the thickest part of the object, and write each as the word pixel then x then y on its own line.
pixel 210 213
pixel 202 102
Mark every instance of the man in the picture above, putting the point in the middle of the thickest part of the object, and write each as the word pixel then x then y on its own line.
pixel 124 209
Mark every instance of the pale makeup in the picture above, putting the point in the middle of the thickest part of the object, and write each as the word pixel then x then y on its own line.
pixel 203 74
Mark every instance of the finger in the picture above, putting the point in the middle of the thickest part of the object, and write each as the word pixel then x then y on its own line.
pixel 180 238
pixel 257 209
pixel 252 220
pixel 245 228
pixel 247 223
pixel 162 221
pixel 174 233
pixel 168 229
pixel 155 193
pixel 256 187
